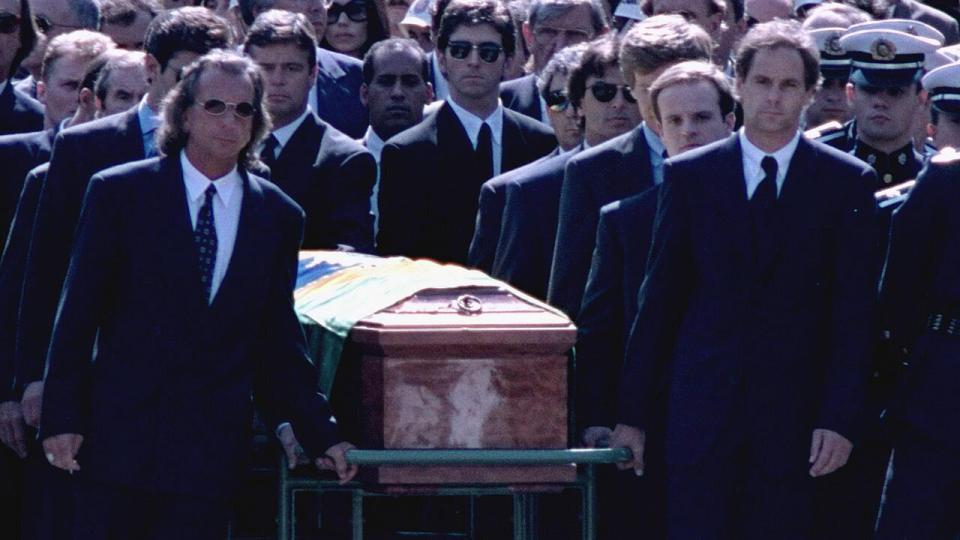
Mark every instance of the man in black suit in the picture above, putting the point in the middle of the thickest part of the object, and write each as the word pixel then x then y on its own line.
pixel 157 430
pixel 566 122
pixel 623 166
pixel 19 113
pixel 755 319
pixel 327 173
pixel 175 38
pixel 550 26
pixel 607 109
pixel 432 172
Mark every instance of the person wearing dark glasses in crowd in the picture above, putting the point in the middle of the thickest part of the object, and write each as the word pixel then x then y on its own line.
pixel 569 132
pixel 353 26
pixel 432 172
pixel 157 432
pixel 19 112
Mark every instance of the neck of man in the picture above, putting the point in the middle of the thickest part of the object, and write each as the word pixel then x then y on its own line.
pixel 886 145
pixel 481 107
pixel 153 100
pixel 283 119
pixel 593 138
pixel 770 141
pixel 212 168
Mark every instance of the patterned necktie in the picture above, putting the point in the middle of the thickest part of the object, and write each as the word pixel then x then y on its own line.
pixel 485 151
pixel 205 235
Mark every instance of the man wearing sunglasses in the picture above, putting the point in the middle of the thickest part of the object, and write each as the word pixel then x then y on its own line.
pixel 326 172
pixel 173 40
pixel 19 112
pixel 551 25
pixel 432 172
pixel 606 109
pixel 156 426
pixel 625 165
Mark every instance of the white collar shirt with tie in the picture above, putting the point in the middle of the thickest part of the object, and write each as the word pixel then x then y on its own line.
pixel 752 156
pixel 226 212
pixel 472 124
pixel 285 133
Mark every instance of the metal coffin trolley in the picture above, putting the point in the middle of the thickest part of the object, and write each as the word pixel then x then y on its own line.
pixel 459 385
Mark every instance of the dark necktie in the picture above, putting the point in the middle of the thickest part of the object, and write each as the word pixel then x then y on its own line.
pixel 269 153
pixel 205 235
pixel 762 208
pixel 485 151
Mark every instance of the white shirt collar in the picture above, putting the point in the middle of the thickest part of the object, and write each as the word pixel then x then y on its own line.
pixel 653 140
pixel 284 133
pixel 752 156
pixel 373 142
pixel 197 183
pixel 471 123
pixel 148 118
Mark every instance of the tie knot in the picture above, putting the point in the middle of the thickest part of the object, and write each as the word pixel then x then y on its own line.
pixel 209 193
pixel 769 166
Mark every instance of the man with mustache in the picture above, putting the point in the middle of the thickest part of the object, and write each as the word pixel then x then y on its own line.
pixel 325 171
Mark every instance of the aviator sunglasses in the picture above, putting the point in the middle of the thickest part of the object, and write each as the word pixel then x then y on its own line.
pixel 488 52
pixel 217 107
pixel 605 92
pixel 9 23
pixel 356 11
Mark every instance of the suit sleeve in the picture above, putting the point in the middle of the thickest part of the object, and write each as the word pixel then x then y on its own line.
pixel 401 202
pixel 853 324
pixel 600 336
pixel 661 302
pixel 487 230
pixel 347 220
pixel 285 387
pixel 519 258
pixel 87 291
pixel 576 233
pixel 59 206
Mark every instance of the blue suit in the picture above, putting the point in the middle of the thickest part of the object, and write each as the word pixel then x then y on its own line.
pixel 521 95
pixel 19 113
pixel 752 345
pixel 338 92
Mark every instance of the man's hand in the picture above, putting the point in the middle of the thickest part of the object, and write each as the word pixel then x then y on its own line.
pixel 61 450
pixel 829 451
pixel 334 459
pixel 12 427
pixel 31 402
pixel 296 456
pixel 633 438
pixel 597 436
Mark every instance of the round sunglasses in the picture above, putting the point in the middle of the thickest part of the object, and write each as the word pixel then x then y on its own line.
pixel 217 107
pixel 488 52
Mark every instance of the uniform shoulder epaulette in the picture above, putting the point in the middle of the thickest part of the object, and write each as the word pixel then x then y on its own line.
pixel 823 130
pixel 946 155
pixel 894 195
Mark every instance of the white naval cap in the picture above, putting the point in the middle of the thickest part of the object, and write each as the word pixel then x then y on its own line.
pixel 834 60
pixel 943 86
pixel 886 58
pixel 805 4
pixel 907 26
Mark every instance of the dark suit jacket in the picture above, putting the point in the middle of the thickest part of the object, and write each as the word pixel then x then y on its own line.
pixel 525 248
pixel 912 9
pixel 493 197
pixel 605 173
pixel 429 185
pixel 521 95
pixel 770 350
pixel 12 266
pixel 610 303
pixel 331 177
pixel 338 92
pixel 19 113
pixel 19 153
pixel 165 403
pixel 78 153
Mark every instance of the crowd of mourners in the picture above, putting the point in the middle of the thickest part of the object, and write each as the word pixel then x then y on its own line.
pixel 746 206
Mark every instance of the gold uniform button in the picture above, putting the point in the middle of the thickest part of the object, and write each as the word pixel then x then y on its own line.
pixel 887 178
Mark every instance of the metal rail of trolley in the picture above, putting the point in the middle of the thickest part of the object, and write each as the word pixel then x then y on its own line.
pixel 525 524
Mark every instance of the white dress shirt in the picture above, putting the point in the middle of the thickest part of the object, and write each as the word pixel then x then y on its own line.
pixel 226 212
pixel 752 156
pixel 656 149
pixel 283 134
pixel 374 144
pixel 472 123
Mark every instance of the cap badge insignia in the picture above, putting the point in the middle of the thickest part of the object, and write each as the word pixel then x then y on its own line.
pixel 883 49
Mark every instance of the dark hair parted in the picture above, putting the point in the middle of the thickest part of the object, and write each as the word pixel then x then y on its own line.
pixel 171 138
pixel 693 72
pixel 659 41
pixel 475 12
pixel 599 56
pixel 279 27
pixel 780 34
pixel 394 45
pixel 194 29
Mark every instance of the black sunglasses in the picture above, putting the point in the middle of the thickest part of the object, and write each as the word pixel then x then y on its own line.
pixel 9 23
pixel 557 101
pixel 488 52
pixel 218 107
pixel 356 11
pixel 605 92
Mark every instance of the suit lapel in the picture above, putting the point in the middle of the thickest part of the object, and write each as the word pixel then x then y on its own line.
pixel 732 198
pixel 131 139
pixel 245 252
pixel 793 202
pixel 180 249
pixel 304 142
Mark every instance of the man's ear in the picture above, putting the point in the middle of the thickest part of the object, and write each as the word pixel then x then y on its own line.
pixel 153 68
pixel 850 92
pixel 41 92
pixel 931 130
pixel 527 35
pixel 730 120
pixel 363 93
pixel 429 92
pixel 87 97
